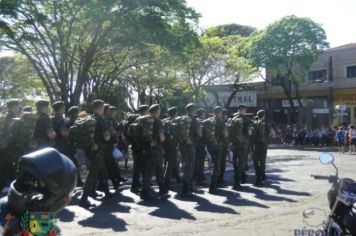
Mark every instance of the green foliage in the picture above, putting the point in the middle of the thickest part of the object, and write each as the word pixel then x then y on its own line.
pixel 288 46
pixel 18 79
pixel 70 41
pixel 222 31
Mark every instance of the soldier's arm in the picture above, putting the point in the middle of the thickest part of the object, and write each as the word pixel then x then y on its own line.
pixel 63 129
pixel 161 135
pixel 48 127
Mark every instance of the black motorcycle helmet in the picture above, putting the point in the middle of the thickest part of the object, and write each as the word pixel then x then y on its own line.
pixel 46 182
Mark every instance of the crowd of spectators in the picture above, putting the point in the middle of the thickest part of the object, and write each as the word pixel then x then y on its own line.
pixel 344 136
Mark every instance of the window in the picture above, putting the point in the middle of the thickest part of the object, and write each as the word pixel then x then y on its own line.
pixel 317 76
pixel 351 72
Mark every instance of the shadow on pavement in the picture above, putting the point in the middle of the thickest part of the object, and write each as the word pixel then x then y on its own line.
pixel 66 215
pixel 103 217
pixel 169 210
pixel 260 194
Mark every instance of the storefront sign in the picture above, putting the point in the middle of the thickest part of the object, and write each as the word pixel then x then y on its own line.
pixel 248 98
pixel 346 98
pixel 321 111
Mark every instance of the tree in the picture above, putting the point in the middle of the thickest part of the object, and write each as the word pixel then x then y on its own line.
pixel 18 80
pixel 287 48
pixel 63 39
pixel 222 31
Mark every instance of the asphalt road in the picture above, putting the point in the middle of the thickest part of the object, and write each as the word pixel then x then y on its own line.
pixel 275 209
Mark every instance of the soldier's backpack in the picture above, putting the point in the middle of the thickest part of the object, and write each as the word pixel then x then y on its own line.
pixel 23 128
pixel 234 127
pixel 143 129
pixel 167 126
pixel 82 133
pixel 209 130
pixel 129 125
pixel 180 129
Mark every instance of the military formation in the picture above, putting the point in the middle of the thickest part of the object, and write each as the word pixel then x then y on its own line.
pixel 156 145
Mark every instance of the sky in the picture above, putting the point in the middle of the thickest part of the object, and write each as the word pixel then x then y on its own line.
pixel 337 17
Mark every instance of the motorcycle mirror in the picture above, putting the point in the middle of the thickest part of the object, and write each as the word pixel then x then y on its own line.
pixel 326 158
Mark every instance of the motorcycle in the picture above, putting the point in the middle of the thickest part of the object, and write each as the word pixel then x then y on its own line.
pixel 341 220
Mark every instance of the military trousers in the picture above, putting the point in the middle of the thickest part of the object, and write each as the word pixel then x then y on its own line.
pixel 7 167
pixel 215 152
pixel 171 165
pixel 188 156
pixel 259 160
pixel 240 152
pixel 154 166
pixel 199 162
pixel 139 166
pixel 97 173
pixel 223 154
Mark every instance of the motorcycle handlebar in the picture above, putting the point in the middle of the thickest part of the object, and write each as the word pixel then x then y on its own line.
pixel 322 177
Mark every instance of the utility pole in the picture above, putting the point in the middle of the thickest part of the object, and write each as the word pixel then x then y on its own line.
pixel 331 90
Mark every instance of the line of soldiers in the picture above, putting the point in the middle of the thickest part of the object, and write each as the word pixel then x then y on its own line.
pixel 155 144
pixel 193 134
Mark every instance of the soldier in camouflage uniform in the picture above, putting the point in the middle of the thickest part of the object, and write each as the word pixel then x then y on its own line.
pixel 214 131
pixel 97 171
pixel 224 150
pixel 240 138
pixel 200 153
pixel 7 167
pixel 44 134
pixel 110 163
pixel 153 152
pixel 261 135
pixel 138 159
pixel 188 148
pixel 73 113
pixel 170 146
pixel 59 126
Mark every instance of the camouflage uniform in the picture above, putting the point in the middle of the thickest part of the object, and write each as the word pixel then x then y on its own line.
pixel 97 170
pixel 224 152
pixel 153 154
pixel 240 144
pixel 7 165
pixel 43 127
pixel 188 151
pixel 170 154
pixel 59 126
pixel 110 163
pixel 261 132
pixel 200 158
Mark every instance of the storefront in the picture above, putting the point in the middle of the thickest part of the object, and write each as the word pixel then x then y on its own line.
pixel 345 109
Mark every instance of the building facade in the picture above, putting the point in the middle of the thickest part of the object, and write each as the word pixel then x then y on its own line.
pixel 328 95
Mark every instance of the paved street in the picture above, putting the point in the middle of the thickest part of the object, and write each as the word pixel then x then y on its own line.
pixel 275 209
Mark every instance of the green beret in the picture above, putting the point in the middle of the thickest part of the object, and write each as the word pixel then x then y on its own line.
pixel 97 103
pixel 143 108
pixel 241 106
pixel 73 110
pixel 13 103
pixel 58 105
pixel 172 110
pixel 113 108
pixel 190 106
pixel 41 104
pixel 27 109
pixel 154 108
pixel 217 109
pixel 200 111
